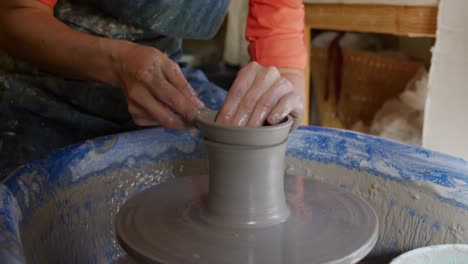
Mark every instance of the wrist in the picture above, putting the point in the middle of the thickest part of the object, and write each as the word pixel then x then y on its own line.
pixel 296 78
pixel 114 51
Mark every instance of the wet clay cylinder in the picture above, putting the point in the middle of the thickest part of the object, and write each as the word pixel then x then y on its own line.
pixel 246 173
pixel 246 187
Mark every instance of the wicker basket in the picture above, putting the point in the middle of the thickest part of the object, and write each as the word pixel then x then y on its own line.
pixel 367 81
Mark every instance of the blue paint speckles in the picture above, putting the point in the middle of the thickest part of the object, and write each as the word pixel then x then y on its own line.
pixel 425 153
pixel 461 204
pixel 10 241
pixel 413 213
pixel 383 158
pixel 343 186
pixel 142 188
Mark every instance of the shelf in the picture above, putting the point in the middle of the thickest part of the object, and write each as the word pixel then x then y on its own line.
pixel 388 19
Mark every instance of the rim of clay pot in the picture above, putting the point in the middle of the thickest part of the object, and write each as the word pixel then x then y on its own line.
pixel 250 136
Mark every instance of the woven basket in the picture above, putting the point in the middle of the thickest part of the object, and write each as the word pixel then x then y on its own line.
pixel 367 81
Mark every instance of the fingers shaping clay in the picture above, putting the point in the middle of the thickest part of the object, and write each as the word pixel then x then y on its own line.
pixel 246 210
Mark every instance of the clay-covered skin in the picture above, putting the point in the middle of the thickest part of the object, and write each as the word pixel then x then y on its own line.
pixel 262 95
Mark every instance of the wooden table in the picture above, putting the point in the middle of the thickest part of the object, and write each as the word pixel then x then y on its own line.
pixel 413 21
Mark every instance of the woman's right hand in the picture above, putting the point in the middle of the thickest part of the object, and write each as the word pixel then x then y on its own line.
pixel 156 90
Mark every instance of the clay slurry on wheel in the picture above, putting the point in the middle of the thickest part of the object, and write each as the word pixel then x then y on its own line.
pixel 252 214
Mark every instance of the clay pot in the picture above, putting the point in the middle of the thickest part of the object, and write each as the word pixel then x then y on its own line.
pixel 246 173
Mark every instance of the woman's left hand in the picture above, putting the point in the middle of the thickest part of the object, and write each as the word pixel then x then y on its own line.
pixel 262 95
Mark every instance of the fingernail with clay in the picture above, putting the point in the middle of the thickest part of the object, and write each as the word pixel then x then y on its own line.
pixel 223 119
pixel 261 120
pixel 263 115
pixel 198 103
pixel 276 118
pixel 243 120
pixel 195 112
pixel 192 91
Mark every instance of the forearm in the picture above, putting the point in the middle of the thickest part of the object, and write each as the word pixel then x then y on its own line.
pixel 29 30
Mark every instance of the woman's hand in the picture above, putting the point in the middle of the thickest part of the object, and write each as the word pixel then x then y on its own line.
pixel 156 90
pixel 262 95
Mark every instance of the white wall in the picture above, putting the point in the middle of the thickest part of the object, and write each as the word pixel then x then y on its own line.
pixel 446 116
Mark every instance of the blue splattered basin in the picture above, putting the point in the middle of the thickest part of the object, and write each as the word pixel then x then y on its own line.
pixel 61 209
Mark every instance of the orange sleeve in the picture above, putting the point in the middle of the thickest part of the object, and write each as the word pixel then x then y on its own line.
pixel 275 30
pixel 50 3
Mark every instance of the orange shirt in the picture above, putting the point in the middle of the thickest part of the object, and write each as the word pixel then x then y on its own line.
pixel 50 3
pixel 275 30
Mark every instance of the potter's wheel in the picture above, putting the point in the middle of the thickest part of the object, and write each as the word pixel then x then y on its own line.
pixel 165 224
pixel 246 210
